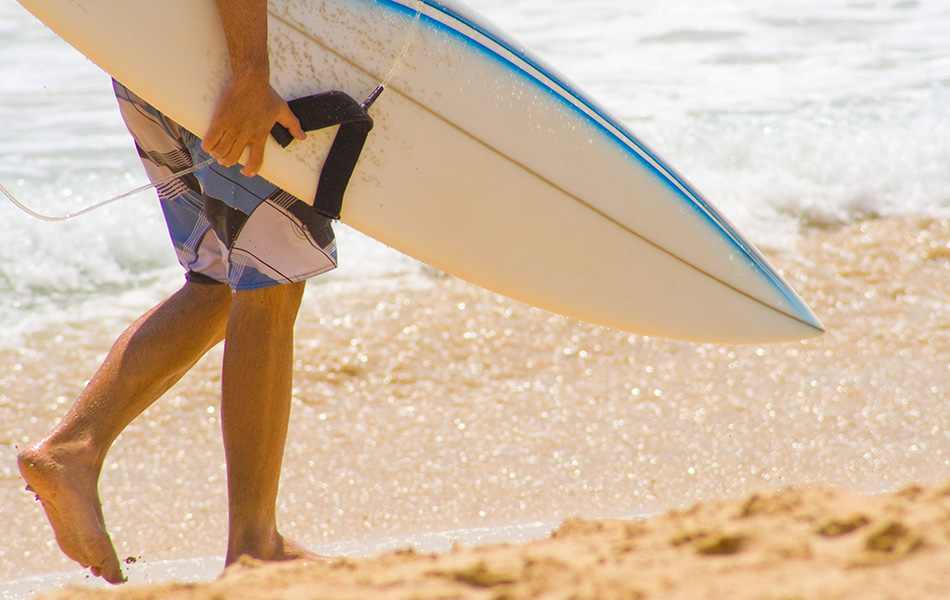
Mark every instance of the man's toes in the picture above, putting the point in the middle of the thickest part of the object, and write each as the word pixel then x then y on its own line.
pixel 112 574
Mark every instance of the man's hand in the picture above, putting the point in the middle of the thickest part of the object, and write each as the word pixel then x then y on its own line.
pixel 249 106
pixel 243 119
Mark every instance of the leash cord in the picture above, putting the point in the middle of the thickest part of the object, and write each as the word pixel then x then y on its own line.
pixel 66 217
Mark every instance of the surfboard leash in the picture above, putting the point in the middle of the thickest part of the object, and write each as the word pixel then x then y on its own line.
pixel 68 216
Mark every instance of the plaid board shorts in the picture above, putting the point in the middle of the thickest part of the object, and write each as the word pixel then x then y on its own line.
pixel 226 227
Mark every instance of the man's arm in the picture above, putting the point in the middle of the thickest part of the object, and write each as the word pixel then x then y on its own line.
pixel 249 106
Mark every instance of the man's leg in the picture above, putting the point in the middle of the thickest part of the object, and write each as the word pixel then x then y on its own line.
pixel 255 408
pixel 148 358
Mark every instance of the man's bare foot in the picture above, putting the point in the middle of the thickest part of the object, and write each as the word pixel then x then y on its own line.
pixel 68 490
pixel 294 551
pixel 279 548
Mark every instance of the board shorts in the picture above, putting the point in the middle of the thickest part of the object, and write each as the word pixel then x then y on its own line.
pixel 226 227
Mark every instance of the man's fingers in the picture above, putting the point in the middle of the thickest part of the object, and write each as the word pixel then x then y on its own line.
pixel 254 161
pixel 211 139
pixel 289 120
pixel 227 153
pixel 219 147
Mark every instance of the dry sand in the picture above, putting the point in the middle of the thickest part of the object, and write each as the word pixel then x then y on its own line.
pixel 794 544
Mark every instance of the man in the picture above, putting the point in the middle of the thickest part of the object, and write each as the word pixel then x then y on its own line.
pixel 227 296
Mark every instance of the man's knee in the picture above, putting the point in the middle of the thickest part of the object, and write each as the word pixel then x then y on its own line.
pixel 277 304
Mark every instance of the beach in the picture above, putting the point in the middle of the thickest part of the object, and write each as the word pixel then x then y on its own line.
pixel 443 407
pixel 516 452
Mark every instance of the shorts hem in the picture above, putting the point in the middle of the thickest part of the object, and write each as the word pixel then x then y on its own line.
pixel 273 282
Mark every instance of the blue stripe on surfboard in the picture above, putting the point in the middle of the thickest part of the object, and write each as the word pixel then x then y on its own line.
pixel 512 56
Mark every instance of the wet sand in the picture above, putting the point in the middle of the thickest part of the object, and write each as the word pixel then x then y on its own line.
pixel 445 407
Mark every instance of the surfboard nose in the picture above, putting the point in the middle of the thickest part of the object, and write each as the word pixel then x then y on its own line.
pixel 800 324
pixel 814 326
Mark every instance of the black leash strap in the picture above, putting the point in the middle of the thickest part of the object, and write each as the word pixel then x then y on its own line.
pixel 326 110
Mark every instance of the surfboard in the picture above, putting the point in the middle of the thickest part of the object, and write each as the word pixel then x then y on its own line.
pixel 484 162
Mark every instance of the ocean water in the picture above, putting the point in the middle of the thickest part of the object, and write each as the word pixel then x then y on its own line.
pixel 784 114
pixel 796 118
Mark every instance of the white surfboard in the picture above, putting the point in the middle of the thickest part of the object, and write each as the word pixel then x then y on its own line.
pixel 484 162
